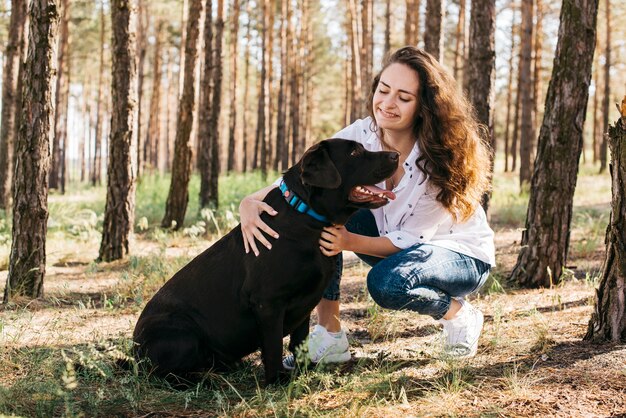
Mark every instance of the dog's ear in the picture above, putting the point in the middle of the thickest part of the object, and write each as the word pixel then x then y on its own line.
pixel 318 169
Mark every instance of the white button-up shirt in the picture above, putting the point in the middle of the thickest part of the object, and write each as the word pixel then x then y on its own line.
pixel 415 216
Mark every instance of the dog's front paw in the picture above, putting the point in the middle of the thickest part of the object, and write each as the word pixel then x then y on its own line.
pixel 282 377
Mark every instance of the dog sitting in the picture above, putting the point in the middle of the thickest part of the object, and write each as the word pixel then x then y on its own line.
pixel 226 304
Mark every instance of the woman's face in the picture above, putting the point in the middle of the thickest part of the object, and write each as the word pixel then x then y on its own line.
pixel 395 101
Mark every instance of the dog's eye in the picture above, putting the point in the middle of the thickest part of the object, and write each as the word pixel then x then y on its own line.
pixel 355 152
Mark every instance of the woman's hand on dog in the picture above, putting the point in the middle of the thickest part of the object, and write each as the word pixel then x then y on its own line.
pixel 252 227
pixel 334 239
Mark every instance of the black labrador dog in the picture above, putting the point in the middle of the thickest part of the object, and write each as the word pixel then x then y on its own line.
pixel 225 304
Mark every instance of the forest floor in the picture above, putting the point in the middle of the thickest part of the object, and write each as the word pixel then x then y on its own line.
pixel 58 352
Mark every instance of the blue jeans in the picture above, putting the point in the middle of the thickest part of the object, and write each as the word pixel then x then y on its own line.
pixel 422 278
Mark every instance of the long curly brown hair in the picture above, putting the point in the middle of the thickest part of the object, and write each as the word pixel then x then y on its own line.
pixel 454 152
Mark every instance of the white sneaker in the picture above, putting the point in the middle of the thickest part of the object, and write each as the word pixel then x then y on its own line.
pixel 463 331
pixel 323 348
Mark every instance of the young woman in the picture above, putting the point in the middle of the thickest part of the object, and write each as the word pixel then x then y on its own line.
pixel 431 246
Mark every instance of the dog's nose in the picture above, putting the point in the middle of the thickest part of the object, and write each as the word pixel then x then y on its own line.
pixel 394 156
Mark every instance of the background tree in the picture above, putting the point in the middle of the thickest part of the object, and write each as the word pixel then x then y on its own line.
pixel 433 32
pixel 152 144
pixel 545 240
pixel 217 107
pixel 481 69
pixel 178 195
pixel 608 322
pixel 232 115
pixel 27 262
pixel 607 88
pixel 527 140
pixel 206 104
pixel 12 53
pixel 61 98
pixel 509 94
pixel 97 164
pixel 119 213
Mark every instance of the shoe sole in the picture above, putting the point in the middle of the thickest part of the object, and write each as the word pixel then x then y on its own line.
pixel 329 359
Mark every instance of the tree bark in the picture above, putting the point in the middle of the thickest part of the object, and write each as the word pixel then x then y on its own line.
pixel 142 27
pixel 459 45
pixel 433 33
pixel 152 143
pixel 607 88
pixel 481 70
pixel 211 194
pixel 206 106
pixel 246 78
pixel 357 81
pixel 538 47
pixel 545 240
pixel 178 195
pixel 527 137
pixel 27 262
pixel 96 177
pixel 60 104
pixel 119 213
pixel 260 147
pixel 282 153
pixel 608 321
pixel 509 95
pixel 387 45
pixel 232 115
pixel 411 22
pixel 12 54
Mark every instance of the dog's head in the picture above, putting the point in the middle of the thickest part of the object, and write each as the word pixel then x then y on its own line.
pixel 339 176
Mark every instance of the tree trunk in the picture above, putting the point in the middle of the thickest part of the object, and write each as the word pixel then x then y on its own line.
pixel 411 22
pixel 296 93
pixel 545 241
pixel 178 195
pixel 509 95
pixel 96 177
pixel 608 322
pixel 387 45
pixel 527 137
pixel 260 145
pixel 153 139
pixel 142 27
pixel 214 137
pixel 366 50
pixel 607 89
pixel 119 213
pixel 232 115
pixel 481 70
pixel 281 117
pixel 63 120
pixel 206 104
pixel 246 78
pixel 594 134
pixel 12 54
pixel 433 33
pixel 59 104
pixel 27 262
pixel 357 81
pixel 538 47
pixel 459 45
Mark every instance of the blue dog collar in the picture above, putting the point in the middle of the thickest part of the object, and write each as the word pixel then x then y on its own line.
pixel 297 203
